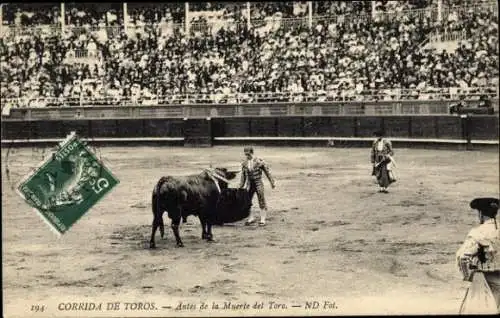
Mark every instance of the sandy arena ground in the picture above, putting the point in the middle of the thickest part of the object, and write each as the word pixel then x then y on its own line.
pixel 330 237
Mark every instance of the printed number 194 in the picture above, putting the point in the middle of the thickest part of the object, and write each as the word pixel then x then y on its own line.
pixel 37 308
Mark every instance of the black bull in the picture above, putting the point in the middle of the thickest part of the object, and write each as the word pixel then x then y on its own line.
pixel 198 195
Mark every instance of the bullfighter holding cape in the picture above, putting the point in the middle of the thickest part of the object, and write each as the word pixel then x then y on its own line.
pixel 383 162
pixel 479 261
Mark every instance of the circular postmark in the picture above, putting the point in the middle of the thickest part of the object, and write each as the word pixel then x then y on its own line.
pixel 16 159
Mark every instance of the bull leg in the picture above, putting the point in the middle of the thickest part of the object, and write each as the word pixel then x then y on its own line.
pixel 155 225
pixel 175 228
pixel 203 223
pixel 209 236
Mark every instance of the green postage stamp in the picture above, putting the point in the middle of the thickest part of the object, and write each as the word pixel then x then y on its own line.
pixel 67 184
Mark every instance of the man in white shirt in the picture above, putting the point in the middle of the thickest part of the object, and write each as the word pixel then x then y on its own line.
pixel 480 253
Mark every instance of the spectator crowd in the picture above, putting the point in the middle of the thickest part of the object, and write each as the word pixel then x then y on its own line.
pixel 223 59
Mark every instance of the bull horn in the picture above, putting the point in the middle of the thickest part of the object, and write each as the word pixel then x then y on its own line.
pixel 216 176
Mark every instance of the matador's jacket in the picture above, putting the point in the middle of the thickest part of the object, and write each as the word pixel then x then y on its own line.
pixel 481 252
pixel 486 237
pixel 252 176
pixel 380 149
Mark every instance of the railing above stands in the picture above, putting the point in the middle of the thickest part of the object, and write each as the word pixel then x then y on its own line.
pixel 380 108
pixel 445 94
pixel 428 12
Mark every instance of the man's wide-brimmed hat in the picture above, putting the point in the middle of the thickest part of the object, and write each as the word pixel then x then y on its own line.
pixel 487 206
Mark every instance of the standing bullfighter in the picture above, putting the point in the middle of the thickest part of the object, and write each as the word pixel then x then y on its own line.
pixel 252 169
pixel 381 158
pixel 479 259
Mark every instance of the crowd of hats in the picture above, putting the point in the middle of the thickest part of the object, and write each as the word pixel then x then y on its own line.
pixel 339 58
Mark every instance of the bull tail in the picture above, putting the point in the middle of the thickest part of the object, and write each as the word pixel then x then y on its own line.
pixel 157 215
pixel 162 228
pixel 157 211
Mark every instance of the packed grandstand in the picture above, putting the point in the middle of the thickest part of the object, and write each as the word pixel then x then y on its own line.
pixel 221 52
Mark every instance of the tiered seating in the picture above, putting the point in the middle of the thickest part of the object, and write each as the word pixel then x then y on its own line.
pixel 338 59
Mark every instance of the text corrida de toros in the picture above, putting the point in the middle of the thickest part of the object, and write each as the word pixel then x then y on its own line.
pixel 90 306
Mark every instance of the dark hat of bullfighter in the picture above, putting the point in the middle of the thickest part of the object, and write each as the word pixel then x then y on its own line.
pixel 487 206
pixel 378 133
pixel 248 149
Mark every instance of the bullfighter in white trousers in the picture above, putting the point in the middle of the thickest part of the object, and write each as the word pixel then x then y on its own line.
pixel 252 169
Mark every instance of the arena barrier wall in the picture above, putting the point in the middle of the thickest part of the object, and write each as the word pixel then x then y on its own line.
pixel 457 131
